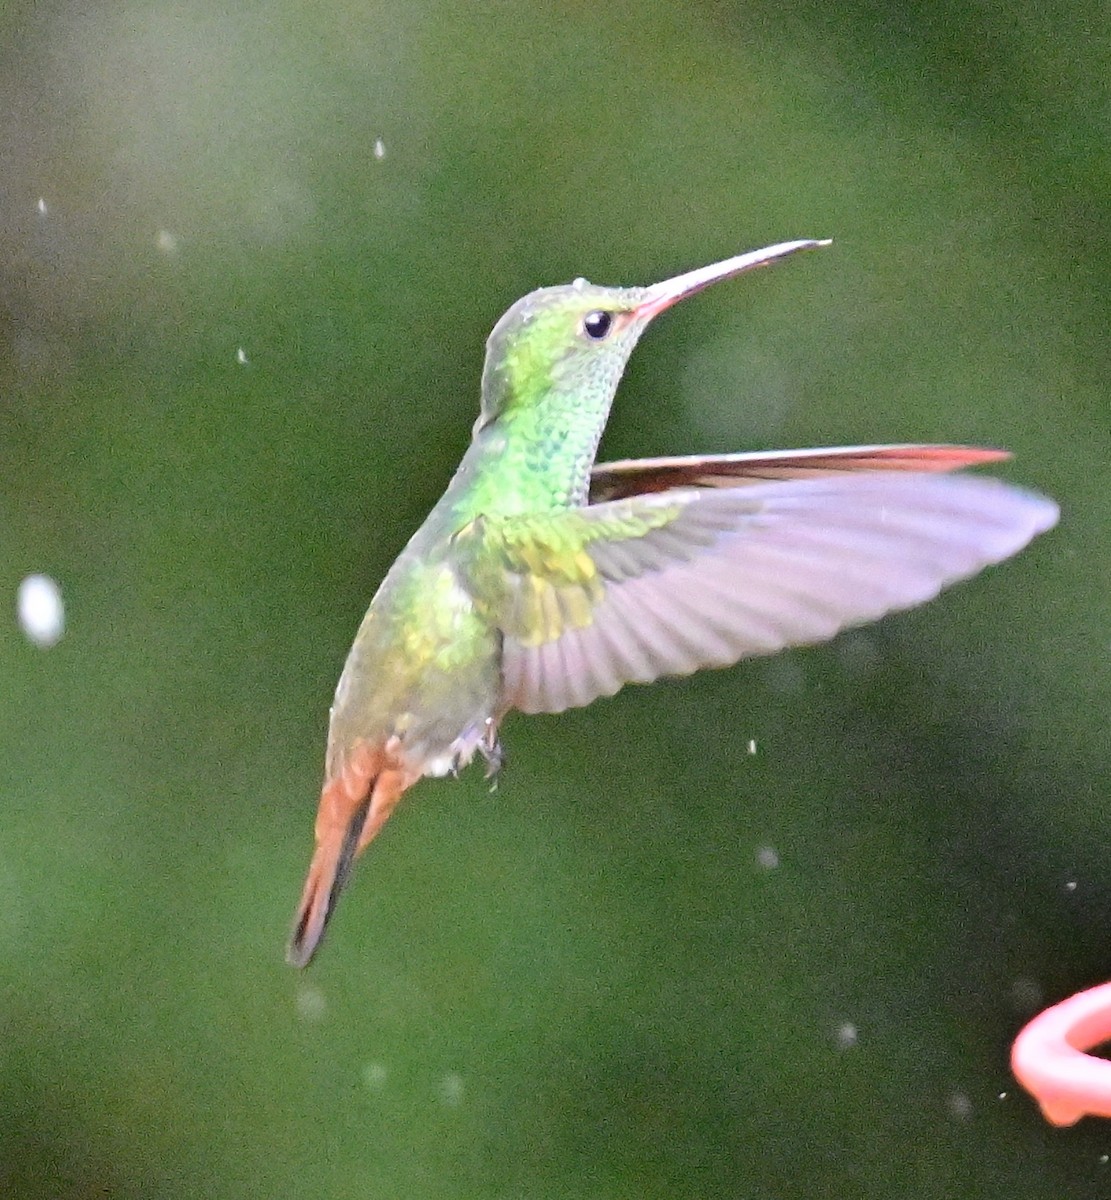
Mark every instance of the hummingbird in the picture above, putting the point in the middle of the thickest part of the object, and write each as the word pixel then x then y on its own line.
pixel 542 580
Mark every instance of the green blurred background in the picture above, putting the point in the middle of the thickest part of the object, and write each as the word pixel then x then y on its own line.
pixel 248 258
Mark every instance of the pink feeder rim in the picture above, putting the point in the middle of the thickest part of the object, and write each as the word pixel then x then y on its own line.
pixel 1049 1059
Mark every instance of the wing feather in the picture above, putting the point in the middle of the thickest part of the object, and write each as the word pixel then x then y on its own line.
pixel 639 476
pixel 735 572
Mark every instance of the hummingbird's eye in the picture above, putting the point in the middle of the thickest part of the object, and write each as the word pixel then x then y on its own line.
pixel 597 324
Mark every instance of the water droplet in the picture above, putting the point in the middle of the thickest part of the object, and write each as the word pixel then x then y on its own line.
pixel 42 614
pixel 858 652
pixel 1070 886
pixel 1026 995
pixel 767 857
pixel 375 1075
pixel 41 206
pixel 241 357
pixel 379 149
pixel 752 745
pixel 784 675
pixel 311 1003
pixel 847 1035
pixel 166 241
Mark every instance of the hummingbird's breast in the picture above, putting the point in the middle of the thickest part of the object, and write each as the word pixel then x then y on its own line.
pixel 425 668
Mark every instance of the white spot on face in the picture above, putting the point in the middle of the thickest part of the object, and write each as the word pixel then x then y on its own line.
pixel 42 615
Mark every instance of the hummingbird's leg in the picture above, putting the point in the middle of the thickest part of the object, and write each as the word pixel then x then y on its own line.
pixel 491 750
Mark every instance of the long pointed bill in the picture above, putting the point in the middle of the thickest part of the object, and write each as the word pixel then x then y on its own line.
pixel 663 295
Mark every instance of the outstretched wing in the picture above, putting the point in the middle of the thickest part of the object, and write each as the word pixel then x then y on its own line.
pixel 663 584
pixel 637 476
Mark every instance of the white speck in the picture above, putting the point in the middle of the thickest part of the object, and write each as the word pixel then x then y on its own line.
pixel 1003 1096
pixel 166 241
pixel 579 284
pixel 1104 1159
pixel 960 1106
pixel 41 206
pixel 451 1089
pixel 752 745
pixel 241 357
pixel 311 1003
pixel 1070 886
pixel 42 614
pixel 379 149
pixel 847 1035
pixel 767 857
pixel 374 1076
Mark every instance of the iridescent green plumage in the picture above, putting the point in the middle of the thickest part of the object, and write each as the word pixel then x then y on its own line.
pixel 541 581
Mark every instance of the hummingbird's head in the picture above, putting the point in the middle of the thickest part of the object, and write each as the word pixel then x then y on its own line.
pixel 573 341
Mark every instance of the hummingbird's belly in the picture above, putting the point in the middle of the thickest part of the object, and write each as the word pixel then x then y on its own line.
pixel 425 669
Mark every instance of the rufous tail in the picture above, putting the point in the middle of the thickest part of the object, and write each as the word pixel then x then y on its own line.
pixel 353 808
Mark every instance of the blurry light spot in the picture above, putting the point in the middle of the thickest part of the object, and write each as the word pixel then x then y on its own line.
pixel 311 1003
pixel 166 241
pixel 579 284
pixel 374 1076
pixel 1104 1159
pixel 1070 886
pixel 858 652
pixel 767 857
pixel 451 1089
pixel 42 615
pixel 847 1035
pixel 241 357
pixel 379 149
pixel 960 1106
pixel 1003 1096
pixel 41 206
pixel 752 745
pixel 784 675
pixel 1026 995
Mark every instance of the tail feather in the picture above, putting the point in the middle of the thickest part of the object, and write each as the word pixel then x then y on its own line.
pixel 353 808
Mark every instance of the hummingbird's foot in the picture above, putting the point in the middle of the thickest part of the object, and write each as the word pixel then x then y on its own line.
pixel 491 750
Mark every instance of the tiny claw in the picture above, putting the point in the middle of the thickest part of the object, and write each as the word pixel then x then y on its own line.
pixel 492 751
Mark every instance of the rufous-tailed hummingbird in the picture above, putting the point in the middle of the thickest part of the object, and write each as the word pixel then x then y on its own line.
pixel 541 580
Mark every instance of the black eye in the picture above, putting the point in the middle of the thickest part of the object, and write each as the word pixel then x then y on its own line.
pixel 597 324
